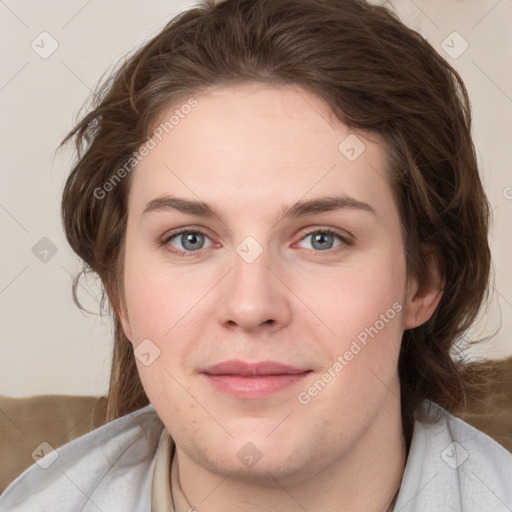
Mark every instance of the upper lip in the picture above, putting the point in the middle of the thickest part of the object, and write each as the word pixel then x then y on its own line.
pixel 237 367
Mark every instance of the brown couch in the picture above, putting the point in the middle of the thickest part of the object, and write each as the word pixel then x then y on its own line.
pixel 25 423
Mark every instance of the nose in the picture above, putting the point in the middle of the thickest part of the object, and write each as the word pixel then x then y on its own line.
pixel 253 296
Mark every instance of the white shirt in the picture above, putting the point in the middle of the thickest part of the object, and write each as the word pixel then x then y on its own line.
pixel 451 467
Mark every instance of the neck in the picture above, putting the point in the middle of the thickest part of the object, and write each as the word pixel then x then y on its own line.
pixel 364 479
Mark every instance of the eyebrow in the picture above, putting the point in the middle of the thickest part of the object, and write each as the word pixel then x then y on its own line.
pixel 298 209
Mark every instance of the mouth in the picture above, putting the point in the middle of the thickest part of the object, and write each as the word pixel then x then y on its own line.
pixel 253 380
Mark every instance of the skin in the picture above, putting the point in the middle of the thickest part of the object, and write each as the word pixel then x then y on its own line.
pixel 250 150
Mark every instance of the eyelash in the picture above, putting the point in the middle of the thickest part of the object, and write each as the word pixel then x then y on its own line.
pixel 346 242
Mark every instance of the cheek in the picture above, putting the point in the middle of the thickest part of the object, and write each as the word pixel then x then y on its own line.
pixel 353 298
pixel 363 308
pixel 159 304
pixel 157 297
pixel 361 357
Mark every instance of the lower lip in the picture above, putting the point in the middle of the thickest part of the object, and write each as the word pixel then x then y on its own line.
pixel 253 387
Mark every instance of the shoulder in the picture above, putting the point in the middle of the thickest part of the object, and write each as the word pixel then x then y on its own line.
pixel 453 466
pixel 104 469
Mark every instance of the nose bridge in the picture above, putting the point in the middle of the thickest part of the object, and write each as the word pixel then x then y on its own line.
pixel 252 295
pixel 251 263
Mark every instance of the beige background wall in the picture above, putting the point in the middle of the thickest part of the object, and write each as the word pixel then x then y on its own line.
pixel 47 344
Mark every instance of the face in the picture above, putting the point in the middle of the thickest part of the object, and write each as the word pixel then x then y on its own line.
pixel 291 256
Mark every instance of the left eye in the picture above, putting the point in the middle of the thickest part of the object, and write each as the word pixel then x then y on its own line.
pixel 323 239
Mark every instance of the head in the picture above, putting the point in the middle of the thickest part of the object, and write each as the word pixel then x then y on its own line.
pixel 250 107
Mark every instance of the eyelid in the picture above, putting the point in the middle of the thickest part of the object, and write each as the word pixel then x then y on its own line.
pixel 179 231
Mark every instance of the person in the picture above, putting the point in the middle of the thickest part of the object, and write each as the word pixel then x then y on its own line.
pixel 283 204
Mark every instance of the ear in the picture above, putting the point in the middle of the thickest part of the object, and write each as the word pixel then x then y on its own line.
pixel 423 298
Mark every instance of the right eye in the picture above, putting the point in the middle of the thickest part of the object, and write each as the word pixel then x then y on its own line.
pixel 185 241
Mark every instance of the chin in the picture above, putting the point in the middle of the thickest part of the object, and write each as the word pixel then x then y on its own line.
pixel 251 458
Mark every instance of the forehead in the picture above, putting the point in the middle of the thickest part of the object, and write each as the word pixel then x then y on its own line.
pixel 258 143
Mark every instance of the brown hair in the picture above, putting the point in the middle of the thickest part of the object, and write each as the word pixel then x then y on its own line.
pixel 376 75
